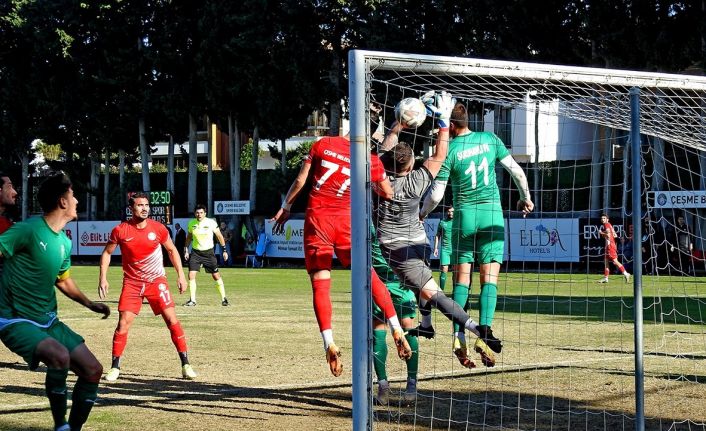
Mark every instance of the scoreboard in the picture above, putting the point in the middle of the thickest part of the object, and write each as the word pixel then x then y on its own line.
pixel 161 207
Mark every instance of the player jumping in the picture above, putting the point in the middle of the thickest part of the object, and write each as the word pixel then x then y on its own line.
pixel 327 229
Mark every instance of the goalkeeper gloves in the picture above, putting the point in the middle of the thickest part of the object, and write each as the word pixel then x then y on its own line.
pixel 439 106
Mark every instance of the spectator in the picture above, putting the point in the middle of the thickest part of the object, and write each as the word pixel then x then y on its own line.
pixel 649 258
pixel 180 240
pixel 227 236
pixel 682 247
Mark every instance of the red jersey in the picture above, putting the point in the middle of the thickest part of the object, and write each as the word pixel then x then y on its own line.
pixel 5 224
pixel 141 249
pixel 610 240
pixel 330 158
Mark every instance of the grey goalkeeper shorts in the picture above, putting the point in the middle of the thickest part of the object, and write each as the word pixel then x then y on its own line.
pixel 410 263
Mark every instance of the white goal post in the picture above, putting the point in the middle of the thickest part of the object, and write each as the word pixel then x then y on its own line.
pixel 640 110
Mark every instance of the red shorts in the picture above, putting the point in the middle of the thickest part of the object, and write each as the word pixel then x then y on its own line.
pixel 611 253
pixel 324 235
pixel 157 294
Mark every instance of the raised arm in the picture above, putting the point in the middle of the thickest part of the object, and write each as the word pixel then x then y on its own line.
pixel 441 106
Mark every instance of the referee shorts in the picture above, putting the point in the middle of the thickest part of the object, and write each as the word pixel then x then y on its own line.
pixel 205 258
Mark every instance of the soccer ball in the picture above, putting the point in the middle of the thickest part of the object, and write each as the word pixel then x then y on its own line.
pixel 411 112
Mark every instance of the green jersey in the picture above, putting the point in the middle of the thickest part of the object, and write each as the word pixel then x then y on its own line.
pixel 202 233
pixel 379 263
pixel 35 256
pixel 443 231
pixel 470 168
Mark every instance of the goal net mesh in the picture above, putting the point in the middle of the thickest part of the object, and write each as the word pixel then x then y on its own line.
pixel 568 358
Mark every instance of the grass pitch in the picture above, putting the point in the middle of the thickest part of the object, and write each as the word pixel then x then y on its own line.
pixel 567 361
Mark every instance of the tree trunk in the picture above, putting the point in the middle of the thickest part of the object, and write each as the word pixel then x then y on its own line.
pixel 283 163
pixel 335 110
pixel 209 167
pixel 106 185
pixel 121 177
pixel 144 156
pixel 170 165
pixel 253 169
pixel 234 159
pixel 24 160
pixel 93 182
pixel 193 167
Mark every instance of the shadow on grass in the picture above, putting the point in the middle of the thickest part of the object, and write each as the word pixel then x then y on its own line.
pixel 438 410
pixel 445 410
pixel 672 310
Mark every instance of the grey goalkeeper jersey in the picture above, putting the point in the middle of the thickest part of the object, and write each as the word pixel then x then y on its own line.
pixel 397 220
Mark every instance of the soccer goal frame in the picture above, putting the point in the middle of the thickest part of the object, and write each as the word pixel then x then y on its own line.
pixel 665 106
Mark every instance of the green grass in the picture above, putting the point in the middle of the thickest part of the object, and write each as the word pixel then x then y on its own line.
pixel 567 359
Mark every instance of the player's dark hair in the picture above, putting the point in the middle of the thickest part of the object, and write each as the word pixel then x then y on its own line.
pixel 459 116
pixel 605 215
pixel 3 175
pixel 200 207
pixel 138 195
pixel 397 159
pixel 51 190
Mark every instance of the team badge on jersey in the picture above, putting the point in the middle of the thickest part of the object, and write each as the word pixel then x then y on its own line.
pixel 151 236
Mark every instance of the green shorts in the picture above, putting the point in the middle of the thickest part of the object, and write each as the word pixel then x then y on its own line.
pixel 22 338
pixel 445 256
pixel 481 234
pixel 403 300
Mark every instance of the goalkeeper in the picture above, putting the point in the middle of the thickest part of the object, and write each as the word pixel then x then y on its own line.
pixel 478 225
pixel 402 237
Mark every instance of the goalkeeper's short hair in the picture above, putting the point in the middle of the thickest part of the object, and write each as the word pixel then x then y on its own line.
pixel 397 159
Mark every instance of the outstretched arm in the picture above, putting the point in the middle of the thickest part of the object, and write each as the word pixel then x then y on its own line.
pixel 68 287
pixel 441 106
pixel 525 203
pixel 294 190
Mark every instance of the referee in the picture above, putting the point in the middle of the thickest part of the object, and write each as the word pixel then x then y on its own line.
pixel 199 235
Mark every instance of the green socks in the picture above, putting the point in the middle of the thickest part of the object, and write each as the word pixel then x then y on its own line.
pixel 83 398
pixel 488 302
pixel 380 353
pixel 55 386
pixel 461 293
pixel 413 362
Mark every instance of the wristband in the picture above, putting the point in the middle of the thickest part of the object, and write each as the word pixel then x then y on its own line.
pixel 286 206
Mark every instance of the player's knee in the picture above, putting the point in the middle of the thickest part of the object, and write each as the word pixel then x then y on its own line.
pixel 53 354
pixel 123 327
pixel 92 371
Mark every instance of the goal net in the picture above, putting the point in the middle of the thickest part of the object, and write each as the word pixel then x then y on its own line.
pixel 570 357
